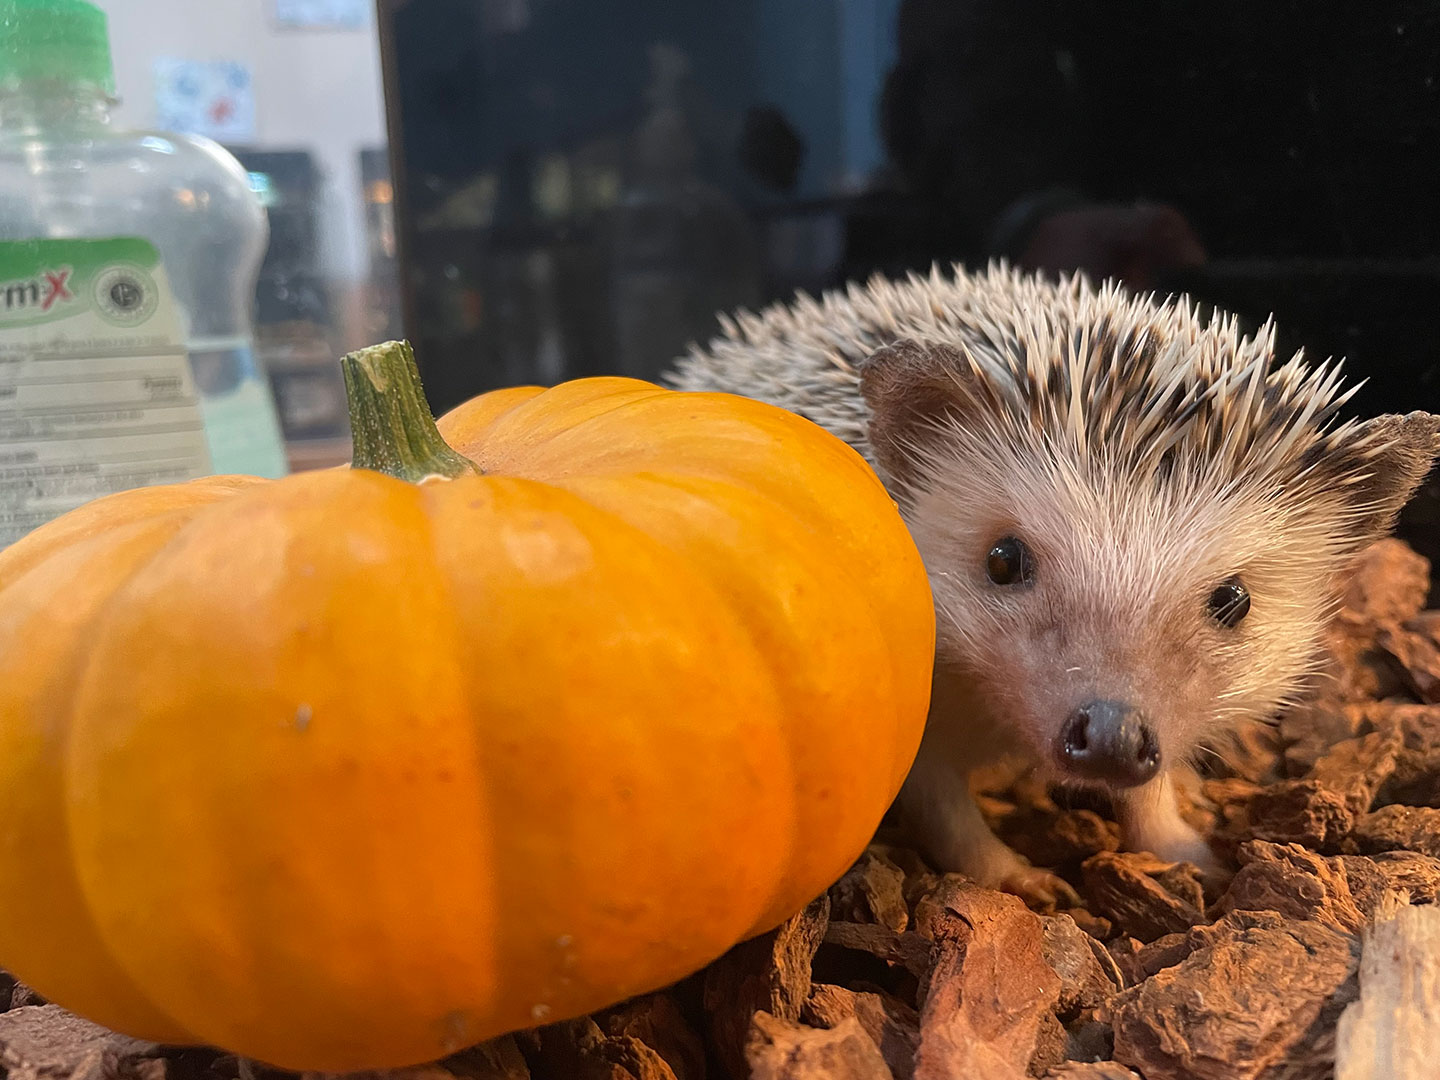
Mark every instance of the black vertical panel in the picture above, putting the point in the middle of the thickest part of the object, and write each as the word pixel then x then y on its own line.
pixel 1294 143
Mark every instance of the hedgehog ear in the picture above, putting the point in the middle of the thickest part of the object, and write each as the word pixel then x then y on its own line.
pixel 909 387
pixel 1410 445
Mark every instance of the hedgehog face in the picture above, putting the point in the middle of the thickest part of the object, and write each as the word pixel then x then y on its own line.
pixel 1134 526
pixel 1111 632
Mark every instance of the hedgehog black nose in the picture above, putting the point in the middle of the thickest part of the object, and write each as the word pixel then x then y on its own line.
pixel 1109 742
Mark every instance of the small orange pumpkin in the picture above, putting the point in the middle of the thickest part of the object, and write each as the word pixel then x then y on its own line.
pixel 351 770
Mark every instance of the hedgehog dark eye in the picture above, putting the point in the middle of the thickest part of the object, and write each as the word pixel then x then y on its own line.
pixel 1230 603
pixel 1009 562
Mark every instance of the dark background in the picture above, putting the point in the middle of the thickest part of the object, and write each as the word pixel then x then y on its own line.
pixel 582 184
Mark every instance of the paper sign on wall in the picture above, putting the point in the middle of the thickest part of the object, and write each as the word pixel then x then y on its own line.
pixel 323 14
pixel 214 98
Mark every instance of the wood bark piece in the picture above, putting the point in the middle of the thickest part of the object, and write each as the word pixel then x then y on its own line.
pixel 1393 1031
pixel 1309 729
pixel 920 879
pixel 1075 835
pixel 910 951
pixel 1362 670
pixel 1091 1070
pixel 1295 882
pixel 45 1042
pixel 1085 981
pixel 780 1050
pixel 1160 954
pixel 1416 780
pixel 1356 769
pixel 1257 993
pixel 1301 812
pixel 1391 828
pixel 1389 583
pixel 1231 799
pixel 989 988
pixel 1051 1043
pixel 14 993
pixel 656 1021
pixel 1371 876
pixel 908 860
pixel 769 973
pixel 498 1059
pixel 872 891
pixel 893 1026
pixel 1058 839
pixel 1127 888
pixel 1425 622
pixel 1255 753
pixel 1340 891
pixel 1097 926
pixel 579 1050
pixel 1417 652
pixel 416 1072
pixel 1125 953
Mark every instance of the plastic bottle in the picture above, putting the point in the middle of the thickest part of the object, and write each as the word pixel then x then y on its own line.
pixel 128 264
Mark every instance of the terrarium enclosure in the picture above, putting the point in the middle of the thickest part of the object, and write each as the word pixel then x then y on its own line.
pixel 582 187
pixel 540 192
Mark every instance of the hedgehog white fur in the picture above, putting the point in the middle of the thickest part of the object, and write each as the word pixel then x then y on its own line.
pixel 1136 524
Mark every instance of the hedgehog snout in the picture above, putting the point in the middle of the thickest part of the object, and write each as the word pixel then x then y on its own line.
pixel 1109 742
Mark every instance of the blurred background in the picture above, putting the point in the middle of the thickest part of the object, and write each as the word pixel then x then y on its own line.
pixel 535 190
pixel 293 89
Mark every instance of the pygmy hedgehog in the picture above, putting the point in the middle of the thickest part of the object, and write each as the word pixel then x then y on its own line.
pixel 1135 524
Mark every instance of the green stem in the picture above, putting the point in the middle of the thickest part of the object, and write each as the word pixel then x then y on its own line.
pixel 390 423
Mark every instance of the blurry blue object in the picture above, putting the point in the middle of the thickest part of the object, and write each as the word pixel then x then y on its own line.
pixel 329 14
pixel 213 98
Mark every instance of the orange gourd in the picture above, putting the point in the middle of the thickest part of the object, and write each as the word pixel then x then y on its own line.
pixel 356 768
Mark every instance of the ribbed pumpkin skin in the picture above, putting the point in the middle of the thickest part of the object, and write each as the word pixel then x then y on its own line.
pixel 343 772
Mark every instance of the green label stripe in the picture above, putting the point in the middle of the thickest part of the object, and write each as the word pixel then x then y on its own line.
pixel 45 281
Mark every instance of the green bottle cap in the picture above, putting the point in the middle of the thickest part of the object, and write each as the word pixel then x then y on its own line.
pixel 55 41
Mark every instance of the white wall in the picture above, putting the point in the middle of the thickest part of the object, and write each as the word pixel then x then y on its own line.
pixel 318 90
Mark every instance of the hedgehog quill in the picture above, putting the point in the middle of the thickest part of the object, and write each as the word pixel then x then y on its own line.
pixel 1136 523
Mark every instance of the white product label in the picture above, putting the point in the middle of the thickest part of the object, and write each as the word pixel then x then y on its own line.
pixel 96 390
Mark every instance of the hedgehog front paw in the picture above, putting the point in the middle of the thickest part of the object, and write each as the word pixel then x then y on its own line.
pixel 949 829
pixel 995 865
pixel 1041 889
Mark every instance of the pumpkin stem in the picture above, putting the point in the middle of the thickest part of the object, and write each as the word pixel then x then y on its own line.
pixel 391 425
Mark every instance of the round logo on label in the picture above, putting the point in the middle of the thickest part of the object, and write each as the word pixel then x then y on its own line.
pixel 126 295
